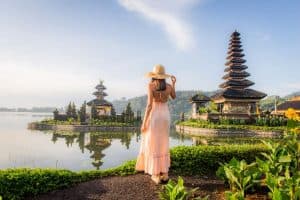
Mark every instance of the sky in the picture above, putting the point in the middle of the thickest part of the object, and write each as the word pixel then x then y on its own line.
pixel 56 51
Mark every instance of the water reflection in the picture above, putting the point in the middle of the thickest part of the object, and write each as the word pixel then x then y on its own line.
pixel 20 147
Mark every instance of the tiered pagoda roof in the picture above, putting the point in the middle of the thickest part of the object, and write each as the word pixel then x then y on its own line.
pixel 199 98
pixel 236 84
pixel 100 94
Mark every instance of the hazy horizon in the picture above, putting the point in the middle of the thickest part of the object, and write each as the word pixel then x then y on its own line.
pixel 53 52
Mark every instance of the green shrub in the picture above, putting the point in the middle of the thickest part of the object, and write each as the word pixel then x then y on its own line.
pixel 173 191
pixel 195 160
pixel 229 126
pixel 19 183
pixel 279 170
pixel 189 160
pixel 240 176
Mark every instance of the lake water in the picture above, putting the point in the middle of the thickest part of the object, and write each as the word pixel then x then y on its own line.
pixel 21 147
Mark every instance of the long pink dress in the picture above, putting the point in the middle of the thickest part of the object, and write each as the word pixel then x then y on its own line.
pixel 154 155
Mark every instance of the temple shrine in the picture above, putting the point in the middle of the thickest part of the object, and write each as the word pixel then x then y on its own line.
pixel 236 99
pixel 103 107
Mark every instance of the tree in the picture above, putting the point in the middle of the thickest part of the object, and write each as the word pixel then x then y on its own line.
pixel 73 111
pixel 55 114
pixel 69 110
pixel 129 114
pixel 82 112
pixel 94 113
pixel 113 111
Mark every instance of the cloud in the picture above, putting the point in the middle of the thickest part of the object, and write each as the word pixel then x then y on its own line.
pixel 168 14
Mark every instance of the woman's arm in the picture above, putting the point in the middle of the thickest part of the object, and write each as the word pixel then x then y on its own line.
pixel 145 124
pixel 173 93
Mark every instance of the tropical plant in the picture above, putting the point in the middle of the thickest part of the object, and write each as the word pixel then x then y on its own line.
pixel 240 176
pixel 279 170
pixel 291 114
pixel 177 191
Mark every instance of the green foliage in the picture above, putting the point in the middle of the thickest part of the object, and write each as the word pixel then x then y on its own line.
pixel 240 176
pixel 210 108
pixel 108 121
pixel 69 121
pixel 206 124
pixel 192 160
pixel 292 123
pixel 271 121
pixel 173 191
pixel 94 113
pixel 195 160
pixel 228 121
pixel 82 113
pixel 100 122
pixel 19 183
pixel 129 114
pixel 280 166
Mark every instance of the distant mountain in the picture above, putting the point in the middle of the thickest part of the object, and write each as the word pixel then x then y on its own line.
pixel 181 103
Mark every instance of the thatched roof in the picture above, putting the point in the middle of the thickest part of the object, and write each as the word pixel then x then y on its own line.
pixel 99 102
pixel 289 104
pixel 199 98
pixel 239 94
pixel 240 83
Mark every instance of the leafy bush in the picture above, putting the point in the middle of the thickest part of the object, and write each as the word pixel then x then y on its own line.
pixel 271 121
pixel 192 160
pixel 195 160
pixel 228 121
pixel 279 171
pixel 173 191
pixel 98 122
pixel 206 124
pixel 240 176
pixel 19 183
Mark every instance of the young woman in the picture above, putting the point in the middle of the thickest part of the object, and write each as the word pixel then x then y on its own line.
pixel 154 156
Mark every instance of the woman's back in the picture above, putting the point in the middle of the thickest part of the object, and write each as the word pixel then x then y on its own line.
pixel 162 95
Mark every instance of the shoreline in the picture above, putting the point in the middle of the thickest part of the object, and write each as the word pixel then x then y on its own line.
pixel 210 132
pixel 80 128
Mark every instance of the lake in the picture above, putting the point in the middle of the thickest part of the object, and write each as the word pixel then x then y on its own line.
pixel 21 147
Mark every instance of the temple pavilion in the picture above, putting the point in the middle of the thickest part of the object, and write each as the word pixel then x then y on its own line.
pixel 293 103
pixel 236 99
pixel 103 107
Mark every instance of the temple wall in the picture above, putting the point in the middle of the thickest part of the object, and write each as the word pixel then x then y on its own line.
pixel 82 128
pixel 225 132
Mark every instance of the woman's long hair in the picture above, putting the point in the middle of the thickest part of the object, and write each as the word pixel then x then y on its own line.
pixel 160 84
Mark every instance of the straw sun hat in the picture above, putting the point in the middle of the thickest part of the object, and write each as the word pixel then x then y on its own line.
pixel 158 72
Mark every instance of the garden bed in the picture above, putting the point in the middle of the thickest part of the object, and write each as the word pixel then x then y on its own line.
pixel 138 186
pixel 82 128
pixel 185 161
pixel 228 132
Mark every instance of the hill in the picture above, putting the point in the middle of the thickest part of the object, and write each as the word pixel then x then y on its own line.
pixel 181 103
pixel 178 105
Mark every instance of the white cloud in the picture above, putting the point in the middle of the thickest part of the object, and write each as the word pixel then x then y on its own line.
pixel 168 14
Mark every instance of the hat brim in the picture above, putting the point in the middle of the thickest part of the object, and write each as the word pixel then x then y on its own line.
pixel 157 76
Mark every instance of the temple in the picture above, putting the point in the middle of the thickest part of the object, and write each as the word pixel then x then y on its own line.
pixel 293 103
pixel 236 99
pixel 103 107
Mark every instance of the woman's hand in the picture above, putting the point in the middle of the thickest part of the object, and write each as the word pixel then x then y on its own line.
pixel 173 79
pixel 143 128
